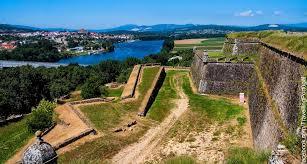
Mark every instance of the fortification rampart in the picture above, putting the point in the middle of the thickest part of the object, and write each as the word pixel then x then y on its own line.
pixel 220 78
pixel 130 87
pixel 152 92
pixel 272 85
pixel 241 46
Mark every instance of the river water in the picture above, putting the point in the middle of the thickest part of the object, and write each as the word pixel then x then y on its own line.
pixel 138 49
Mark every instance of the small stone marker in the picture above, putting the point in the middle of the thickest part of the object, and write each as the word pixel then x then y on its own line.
pixel 131 123
pixel 242 99
pixel 205 56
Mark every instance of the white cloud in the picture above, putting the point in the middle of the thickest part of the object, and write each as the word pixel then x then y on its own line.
pixel 277 13
pixel 248 13
pixel 259 12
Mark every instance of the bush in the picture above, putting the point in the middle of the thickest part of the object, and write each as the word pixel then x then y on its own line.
pixel 41 116
pixel 241 120
pixel 292 143
pixel 103 91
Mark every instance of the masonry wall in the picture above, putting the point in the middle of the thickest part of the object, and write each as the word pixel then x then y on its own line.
pixel 245 46
pixel 221 78
pixel 265 128
pixel 280 75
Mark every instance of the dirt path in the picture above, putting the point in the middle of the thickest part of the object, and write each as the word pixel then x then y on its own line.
pixel 137 152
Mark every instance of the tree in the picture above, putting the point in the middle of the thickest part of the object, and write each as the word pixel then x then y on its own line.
pixel 131 61
pixel 59 88
pixel 41 116
pixel 91 88
pixel 124 75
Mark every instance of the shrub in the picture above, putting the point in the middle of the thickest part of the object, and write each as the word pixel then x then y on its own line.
pixel 241 120
pixel 292 143
pixel 103 91
pixel 41 116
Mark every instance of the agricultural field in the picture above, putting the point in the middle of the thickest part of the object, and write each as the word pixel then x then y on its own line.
pixel 201 44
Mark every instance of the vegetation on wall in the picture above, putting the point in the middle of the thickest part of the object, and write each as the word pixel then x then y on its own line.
pixel 291 42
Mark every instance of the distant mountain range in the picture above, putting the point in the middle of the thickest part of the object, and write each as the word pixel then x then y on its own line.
pixel 165 28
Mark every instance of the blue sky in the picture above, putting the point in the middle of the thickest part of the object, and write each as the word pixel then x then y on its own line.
pixel 97 14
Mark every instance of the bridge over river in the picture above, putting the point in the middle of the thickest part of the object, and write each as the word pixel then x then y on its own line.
pixel 8 63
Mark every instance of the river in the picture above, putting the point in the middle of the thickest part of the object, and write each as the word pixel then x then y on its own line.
pixel 138 49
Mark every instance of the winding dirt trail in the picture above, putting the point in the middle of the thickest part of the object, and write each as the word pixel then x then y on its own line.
pixel 137 152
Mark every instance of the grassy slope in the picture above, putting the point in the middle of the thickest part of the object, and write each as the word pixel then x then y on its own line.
pixel 13 137
pixel 164 100
pixel 293 43
pixel 222 110
pixel 215 109
pixel 247 155
pixel 115 92
pixel 106 117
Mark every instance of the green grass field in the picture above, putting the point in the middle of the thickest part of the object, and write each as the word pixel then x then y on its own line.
pixel 105 118
pixel 13 137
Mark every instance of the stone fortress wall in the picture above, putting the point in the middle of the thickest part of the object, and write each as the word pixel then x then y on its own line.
pixel 241 46
pixel 220 78
pixel 272 85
